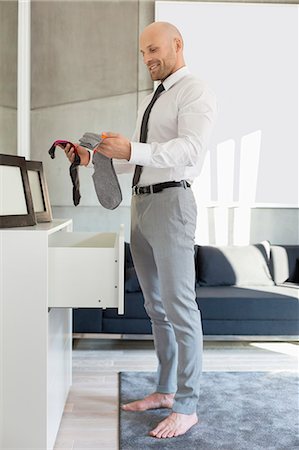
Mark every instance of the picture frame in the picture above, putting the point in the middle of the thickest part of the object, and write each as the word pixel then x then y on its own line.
pixel 39 191
pixel 16 205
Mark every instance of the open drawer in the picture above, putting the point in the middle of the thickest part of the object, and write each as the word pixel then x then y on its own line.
pixel 86 270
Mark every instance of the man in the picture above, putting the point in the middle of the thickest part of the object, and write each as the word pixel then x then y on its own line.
pixel 164 218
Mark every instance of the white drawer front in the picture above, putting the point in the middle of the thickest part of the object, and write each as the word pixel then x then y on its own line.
pixel 86 270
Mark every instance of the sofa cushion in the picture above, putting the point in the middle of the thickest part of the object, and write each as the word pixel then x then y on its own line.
pixel 234 265
pixel 248 303
pixel 251 327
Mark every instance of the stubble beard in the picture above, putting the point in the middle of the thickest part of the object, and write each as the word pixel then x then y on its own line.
pixel 156 74
pixel 160 73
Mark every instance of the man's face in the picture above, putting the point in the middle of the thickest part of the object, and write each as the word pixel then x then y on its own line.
pixel 159 54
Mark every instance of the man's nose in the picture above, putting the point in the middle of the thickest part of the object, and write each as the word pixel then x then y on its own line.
pixel 146 59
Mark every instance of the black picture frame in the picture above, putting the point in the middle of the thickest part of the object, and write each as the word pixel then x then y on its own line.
pixel 43 212
pixel 16 219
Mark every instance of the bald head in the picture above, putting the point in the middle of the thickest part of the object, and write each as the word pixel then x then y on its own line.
pixel 161 45
pixel 165 29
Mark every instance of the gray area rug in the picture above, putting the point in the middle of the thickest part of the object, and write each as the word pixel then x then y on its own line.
pixel 237 411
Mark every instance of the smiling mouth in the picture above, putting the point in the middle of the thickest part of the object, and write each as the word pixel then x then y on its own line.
pixel 153 67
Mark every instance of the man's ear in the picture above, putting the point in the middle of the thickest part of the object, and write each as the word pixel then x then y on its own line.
pixel 178 44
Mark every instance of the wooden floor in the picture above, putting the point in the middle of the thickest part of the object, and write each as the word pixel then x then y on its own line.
pixel 90 419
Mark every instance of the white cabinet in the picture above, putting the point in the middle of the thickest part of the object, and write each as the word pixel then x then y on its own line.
pixel 44 271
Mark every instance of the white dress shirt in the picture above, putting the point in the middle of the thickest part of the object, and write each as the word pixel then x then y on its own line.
pixel 179 127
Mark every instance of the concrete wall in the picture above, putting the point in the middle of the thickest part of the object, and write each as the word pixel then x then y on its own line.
pixel 8 76
pixel 86 75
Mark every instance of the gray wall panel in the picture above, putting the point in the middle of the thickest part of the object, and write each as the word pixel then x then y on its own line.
pixel 8 131
pixel 146 16
pixel 8 76
pixel 83 50
pixel 279 226
pixel 8 53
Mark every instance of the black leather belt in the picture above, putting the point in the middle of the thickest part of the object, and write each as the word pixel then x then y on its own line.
pixel 153 188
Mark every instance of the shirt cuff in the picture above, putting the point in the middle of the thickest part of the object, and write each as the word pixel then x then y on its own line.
pixel 141 154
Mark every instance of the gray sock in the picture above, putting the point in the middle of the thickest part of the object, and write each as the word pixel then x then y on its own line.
pixel 90 140
pixel 104 177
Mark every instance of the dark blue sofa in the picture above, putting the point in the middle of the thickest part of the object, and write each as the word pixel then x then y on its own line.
pixel 240 290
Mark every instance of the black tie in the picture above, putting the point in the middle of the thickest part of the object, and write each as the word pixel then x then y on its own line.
pixel 143 130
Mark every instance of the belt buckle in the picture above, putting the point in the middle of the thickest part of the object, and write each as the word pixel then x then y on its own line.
pixel 136 190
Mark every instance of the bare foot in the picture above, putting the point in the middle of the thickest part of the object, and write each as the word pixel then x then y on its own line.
pixel 174 425
pixel 152 401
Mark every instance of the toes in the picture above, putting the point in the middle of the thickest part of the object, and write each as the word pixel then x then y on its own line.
pixel 172 426
pixel 166 433
pixel 138 405
pixel 154 432
pixel 134 406
pixel 162 433
pixel 171 434
pixel 162 430
pixel 124 407
pixel 177 433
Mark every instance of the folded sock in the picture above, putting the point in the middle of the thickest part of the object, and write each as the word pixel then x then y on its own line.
pixel 104 177
pixel 90 140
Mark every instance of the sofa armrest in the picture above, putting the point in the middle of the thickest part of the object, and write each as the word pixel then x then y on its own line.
pixel 284 263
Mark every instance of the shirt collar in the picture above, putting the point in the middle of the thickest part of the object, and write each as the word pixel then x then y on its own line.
pixel 174 77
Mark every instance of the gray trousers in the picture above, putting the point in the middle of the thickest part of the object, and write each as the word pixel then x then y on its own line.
pixel 162 246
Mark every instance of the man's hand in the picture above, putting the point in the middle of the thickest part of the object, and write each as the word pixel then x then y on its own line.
pixel 82 152
pixel 115 145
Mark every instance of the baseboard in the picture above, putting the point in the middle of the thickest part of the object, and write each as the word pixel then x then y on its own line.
pixel 146 337
pixel 139 337
pixel 251 338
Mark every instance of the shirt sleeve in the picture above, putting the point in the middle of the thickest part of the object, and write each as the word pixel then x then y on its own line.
pixel 122 165
pixel 197 111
